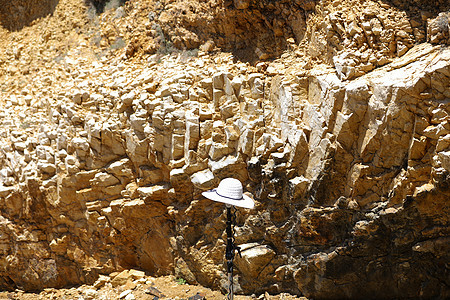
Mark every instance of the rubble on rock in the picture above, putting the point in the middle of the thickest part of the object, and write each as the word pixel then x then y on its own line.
pixel 135 287
pixel 343 139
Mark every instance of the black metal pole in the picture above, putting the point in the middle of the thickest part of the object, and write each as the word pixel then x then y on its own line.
pixel 229 253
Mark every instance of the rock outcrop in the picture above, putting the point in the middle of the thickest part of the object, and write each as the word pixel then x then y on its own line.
pixel 344 142
pixel 20 13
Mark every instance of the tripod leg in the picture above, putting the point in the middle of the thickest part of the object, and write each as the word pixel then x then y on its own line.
pixel 230 287
pixel 229 254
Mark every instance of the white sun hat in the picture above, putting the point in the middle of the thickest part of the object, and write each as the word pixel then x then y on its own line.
pixel 229 191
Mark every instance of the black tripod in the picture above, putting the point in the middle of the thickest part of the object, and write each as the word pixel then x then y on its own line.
pixel 231 247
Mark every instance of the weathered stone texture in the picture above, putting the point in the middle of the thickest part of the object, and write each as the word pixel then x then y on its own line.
pixel 348 162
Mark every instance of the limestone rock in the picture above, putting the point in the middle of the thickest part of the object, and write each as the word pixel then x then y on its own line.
pixel 6 190
pixel 342 138
pixel 121 168
pixel 156 192
pixel 438 30
pixel 203 179
pixel 229 166
pixel 104 179
pixel 255 257
pixel 101 281
pixel 298 186
pixel 120 278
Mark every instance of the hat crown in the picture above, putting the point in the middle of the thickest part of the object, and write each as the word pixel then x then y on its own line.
pixel 230 188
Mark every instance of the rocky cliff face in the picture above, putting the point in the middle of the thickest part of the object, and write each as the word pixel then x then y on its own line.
pixel 15 15
pixel 343 139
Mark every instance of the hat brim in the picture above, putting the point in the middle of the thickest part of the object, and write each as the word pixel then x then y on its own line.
pixel 245 202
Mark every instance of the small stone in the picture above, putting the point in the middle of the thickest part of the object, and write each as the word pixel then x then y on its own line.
pixel 119 279
pixel 130 297
pixel 101 281
pixel 127 99
pixel 90 294
pixel 154 292
pixel 241 4
pixel 125 294
pixel 47 167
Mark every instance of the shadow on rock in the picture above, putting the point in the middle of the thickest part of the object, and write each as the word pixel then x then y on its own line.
pixel 14 15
